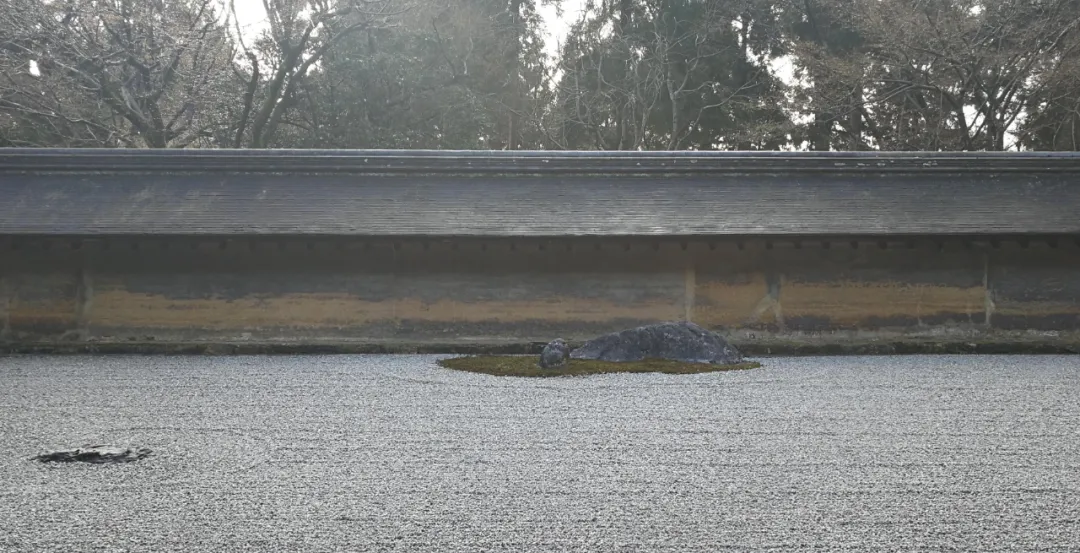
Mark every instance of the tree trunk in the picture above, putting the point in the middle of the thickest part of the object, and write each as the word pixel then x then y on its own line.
pixel 818 135
pixel 516 89
pixel 855 122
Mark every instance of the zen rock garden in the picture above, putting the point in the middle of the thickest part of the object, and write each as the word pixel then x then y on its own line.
pixel 671 347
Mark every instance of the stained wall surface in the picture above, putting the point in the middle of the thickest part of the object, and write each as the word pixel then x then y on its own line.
pixel 411 292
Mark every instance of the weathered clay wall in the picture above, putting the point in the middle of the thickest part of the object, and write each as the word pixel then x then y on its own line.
pixel 764 295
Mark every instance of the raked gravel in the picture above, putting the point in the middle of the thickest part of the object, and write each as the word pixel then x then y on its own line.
pixel 393 453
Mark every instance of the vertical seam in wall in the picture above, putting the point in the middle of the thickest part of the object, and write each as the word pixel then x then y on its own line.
pixel 84 295
pixel 988 292
pixel 80 300
pixel 690 282
pixel 85 299
pixel 5 309
pixel 394 282
pixel 778 307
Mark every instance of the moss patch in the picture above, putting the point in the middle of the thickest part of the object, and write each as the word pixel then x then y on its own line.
pixel 519 365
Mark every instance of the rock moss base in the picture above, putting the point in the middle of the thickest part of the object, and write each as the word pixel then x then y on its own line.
pixel 518 365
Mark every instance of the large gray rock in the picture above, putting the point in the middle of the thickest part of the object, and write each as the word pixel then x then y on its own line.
pixel 679 341
pixel 97 454
pixel 555 354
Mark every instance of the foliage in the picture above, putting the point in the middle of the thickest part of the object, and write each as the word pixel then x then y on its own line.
pixel 136 73
pixel 935 74
pixel 672 75
pixel 440 78
pixel 473 74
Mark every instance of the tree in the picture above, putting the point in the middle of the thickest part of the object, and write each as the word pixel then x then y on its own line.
pixel 404 86
pixel 136 73
pixel 828 52
pixel 439 76
pixel 1052 111
pixel 508 71
pixel 672 74
pixel 299 36
pixel 940 74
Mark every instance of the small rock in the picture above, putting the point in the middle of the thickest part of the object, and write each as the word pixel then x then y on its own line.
pixel 555 354
pixel 96 454
pixel 678 341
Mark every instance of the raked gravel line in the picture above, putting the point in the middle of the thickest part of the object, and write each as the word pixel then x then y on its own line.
pixel 392 453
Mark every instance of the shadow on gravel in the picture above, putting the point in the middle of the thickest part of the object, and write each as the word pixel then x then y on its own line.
pixel 526 366
pixel 96 454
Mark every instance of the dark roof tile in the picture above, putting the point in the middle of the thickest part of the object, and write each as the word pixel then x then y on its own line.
pixel 202 194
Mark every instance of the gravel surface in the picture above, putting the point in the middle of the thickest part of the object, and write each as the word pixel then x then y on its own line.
pixel 392 453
